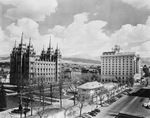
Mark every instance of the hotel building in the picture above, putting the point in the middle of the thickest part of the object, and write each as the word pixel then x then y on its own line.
pixel 28 68
pixel 119 66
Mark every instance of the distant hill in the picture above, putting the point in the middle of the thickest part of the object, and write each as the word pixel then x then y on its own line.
pixel 65 60
pixel 145 61
pixel 4 58
pixel 81 60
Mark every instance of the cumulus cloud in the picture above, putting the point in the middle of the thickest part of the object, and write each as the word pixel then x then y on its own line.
pixel 34 9
pixel 26 25
pixel 5 44
pixel 90 38
pixel 143 49
pixel 135 38
pixel 2 35
pixel 30 28
pixel 138 3
pixel 81 35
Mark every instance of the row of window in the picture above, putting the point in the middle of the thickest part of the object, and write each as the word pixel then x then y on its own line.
pixel 110 80
pixel 105 73
pixel 118 57
pixel 39 74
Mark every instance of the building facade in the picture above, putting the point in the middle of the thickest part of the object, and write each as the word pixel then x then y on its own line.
pixel 88 92
pixel 28 68
pixel 120 66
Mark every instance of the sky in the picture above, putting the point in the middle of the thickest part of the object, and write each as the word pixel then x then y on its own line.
pixel 77 26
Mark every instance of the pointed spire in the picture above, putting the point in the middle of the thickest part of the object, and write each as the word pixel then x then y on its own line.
pixel 57 46
pixel 22 38
pixel 30 41
pixel 15 44
pixel 50 42
pixel 43 47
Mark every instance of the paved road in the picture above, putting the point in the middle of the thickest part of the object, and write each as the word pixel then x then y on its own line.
pixel 129 104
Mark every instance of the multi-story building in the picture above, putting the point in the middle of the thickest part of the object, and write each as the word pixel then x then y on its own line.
pixel 120 66
pixel 28 68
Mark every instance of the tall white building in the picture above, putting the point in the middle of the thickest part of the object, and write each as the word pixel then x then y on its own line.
pixel 120 66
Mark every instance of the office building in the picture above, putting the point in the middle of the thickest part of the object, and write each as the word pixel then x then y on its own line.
pixel 119 66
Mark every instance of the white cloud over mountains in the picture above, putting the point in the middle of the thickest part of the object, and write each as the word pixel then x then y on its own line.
pixel 80 36
pixel 34 9
pixel 29 28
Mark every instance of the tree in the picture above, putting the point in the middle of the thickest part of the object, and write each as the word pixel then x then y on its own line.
pixel 67 109
pixel 29 91
pixel 100 94
pixel 2 98
pixel 60 84
pixel 146 71
pixel 86 77
pixel 73 88
pixel 41 110
pixel 81 103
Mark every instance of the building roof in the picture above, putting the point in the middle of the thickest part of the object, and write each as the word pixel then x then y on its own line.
pixel 110 85
pixel 126 53
pixel 91 85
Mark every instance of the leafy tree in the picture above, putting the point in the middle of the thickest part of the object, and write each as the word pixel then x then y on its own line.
pixel 86 77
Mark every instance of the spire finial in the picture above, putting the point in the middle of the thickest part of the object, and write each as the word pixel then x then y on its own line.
pixel 57 46
pixel 15 44
pixel 50 42
pixel 22 38
pixel 30 41
pixel 43 47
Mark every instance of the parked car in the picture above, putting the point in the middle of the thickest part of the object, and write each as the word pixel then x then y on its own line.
pixel 91 113
pixel 86 115
pixel 146 104
pixel 97 110
pixel 94 112
pixel 116 98
pixel 105 105
pixel 119 96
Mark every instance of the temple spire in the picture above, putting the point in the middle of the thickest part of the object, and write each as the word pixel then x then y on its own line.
pixel 50 42
pixel 22 38
pixel 30 41
pixel 43 47
pixel 15 44
pixel 57 46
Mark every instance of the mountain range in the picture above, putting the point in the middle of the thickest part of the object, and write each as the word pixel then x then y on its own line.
pixel 79 59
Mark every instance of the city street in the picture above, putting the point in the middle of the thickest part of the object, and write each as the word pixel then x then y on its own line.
pixel 129 104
